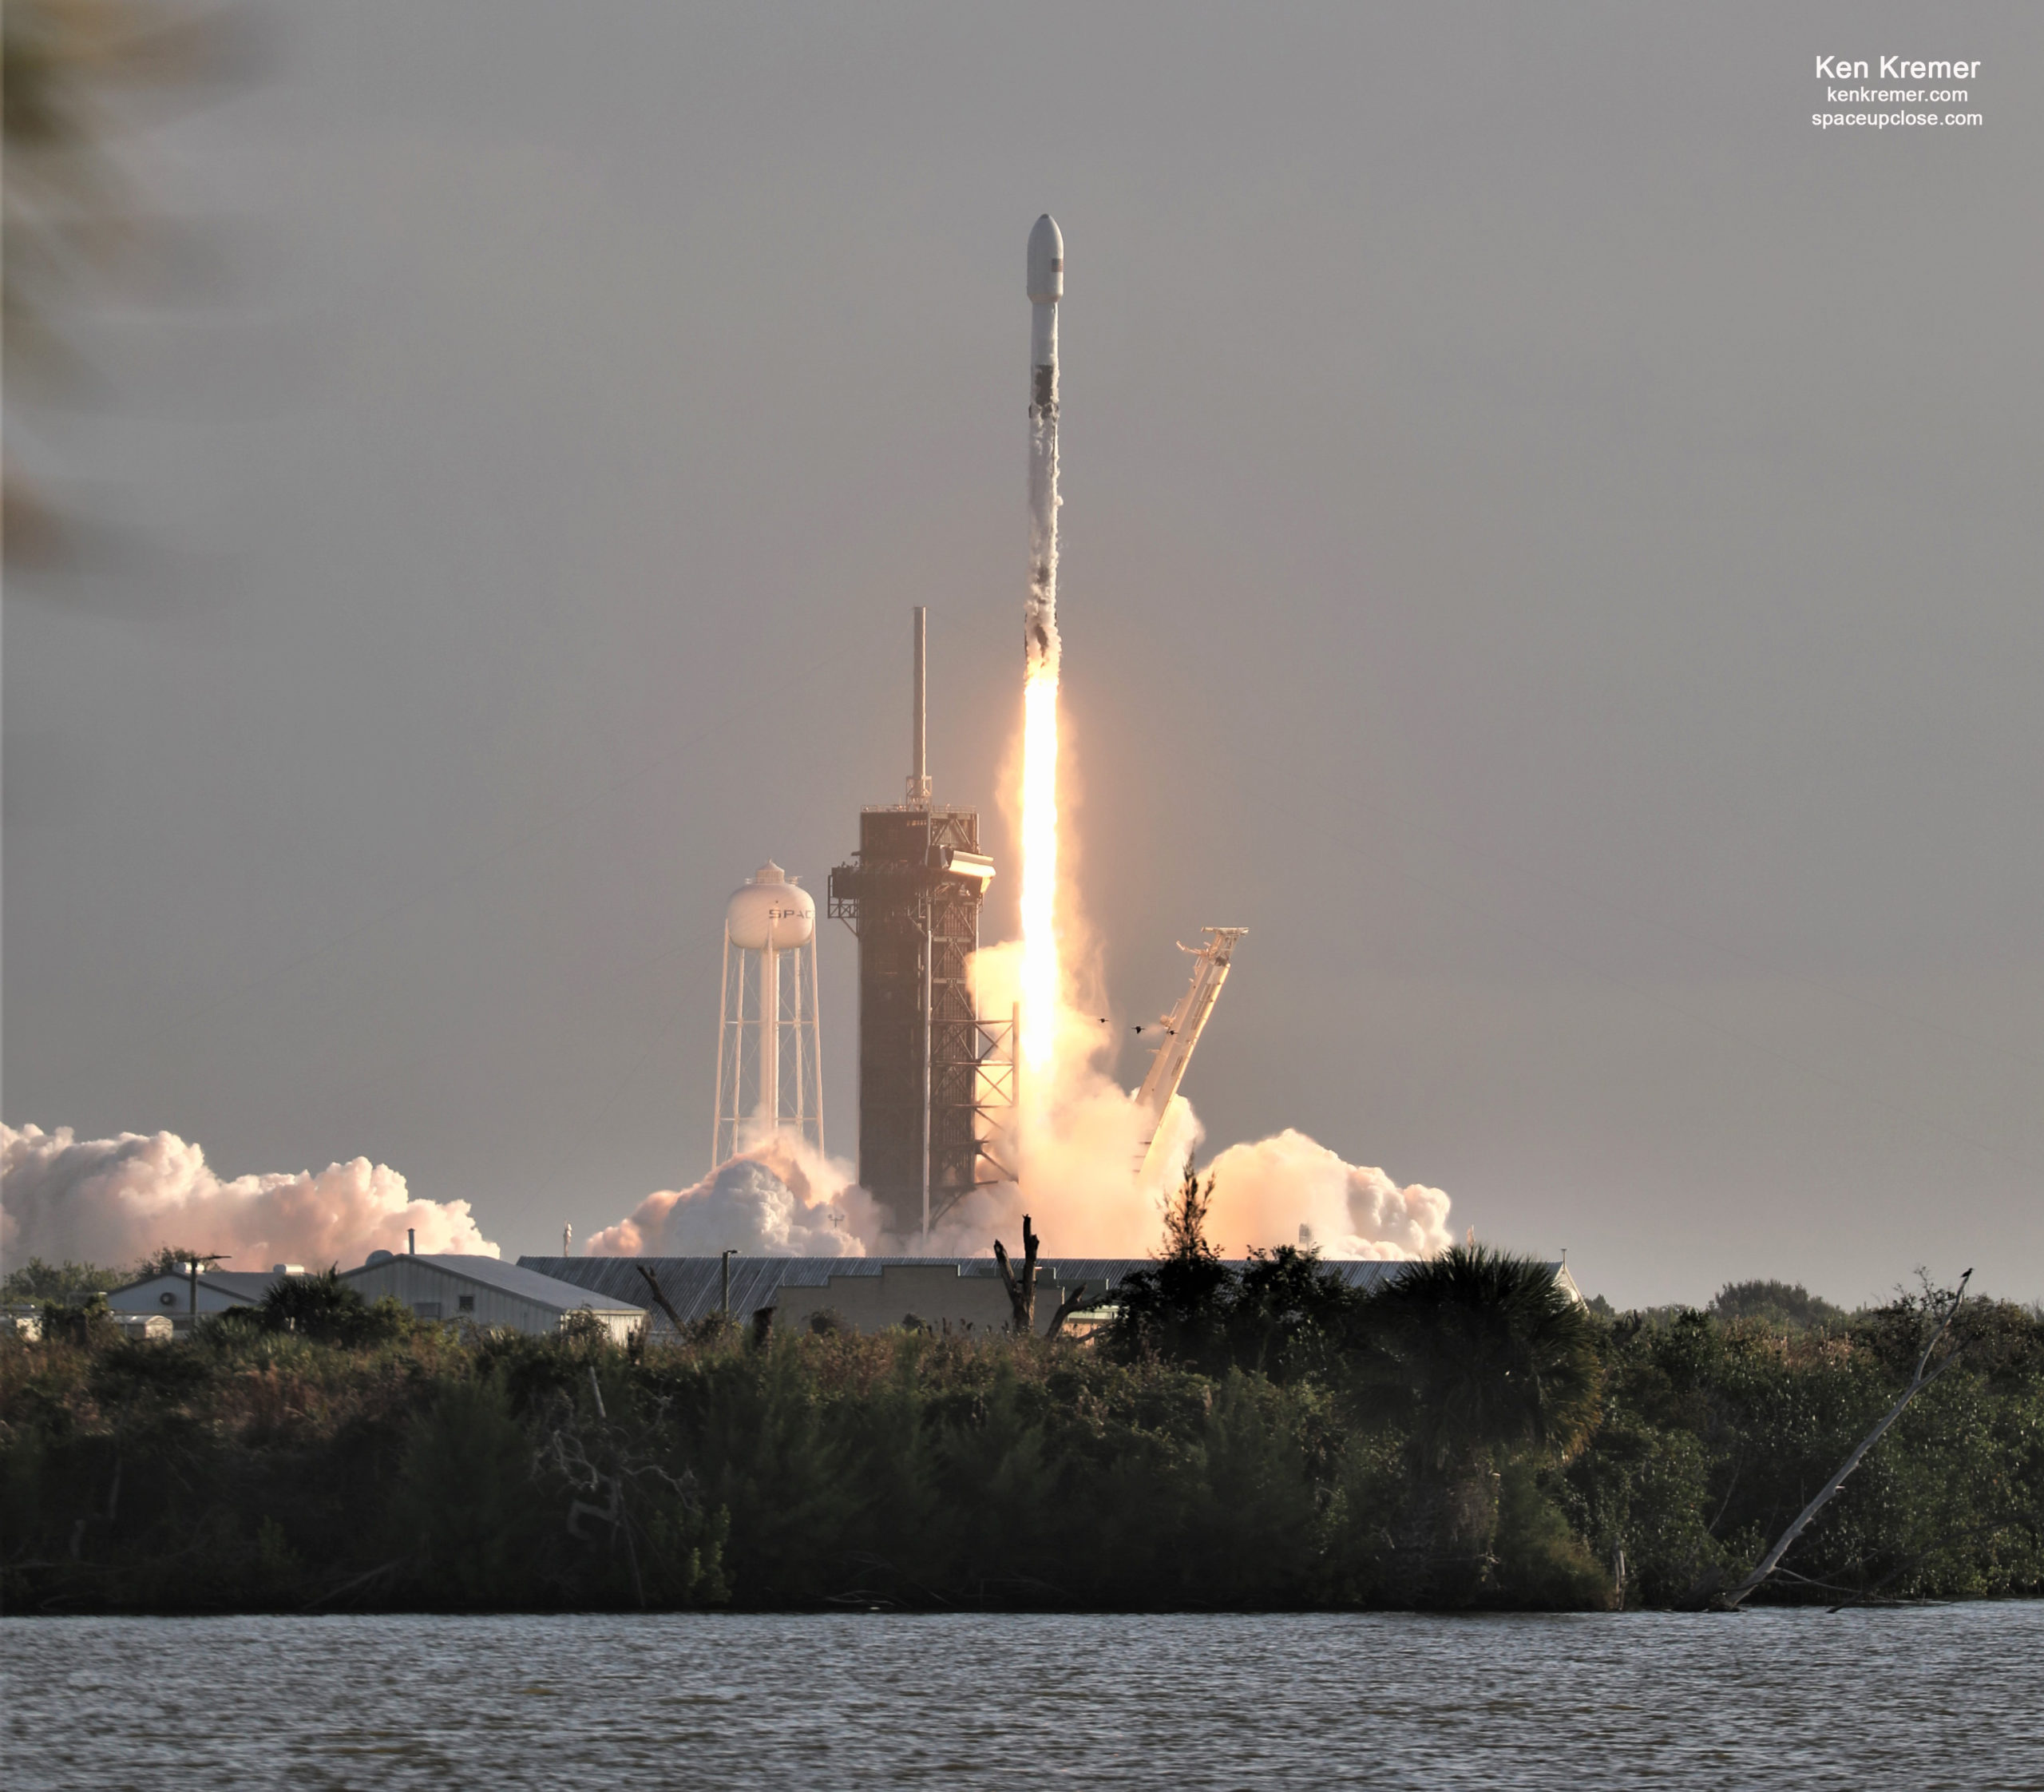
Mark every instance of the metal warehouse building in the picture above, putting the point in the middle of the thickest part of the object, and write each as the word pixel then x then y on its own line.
pixel 867 1293
pixel 174 1294
pixel 871 1293
pixel 488 1292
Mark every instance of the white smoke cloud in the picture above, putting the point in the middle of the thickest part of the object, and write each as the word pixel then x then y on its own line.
pixel 1263 1193
pixel 112 1201
pixel 1085 1199
pixel 777 1199
pixel 1085 1135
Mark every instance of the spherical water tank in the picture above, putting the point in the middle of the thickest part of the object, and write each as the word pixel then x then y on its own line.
pixel 770 910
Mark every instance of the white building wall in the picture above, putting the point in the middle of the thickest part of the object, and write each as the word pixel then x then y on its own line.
pixel 432 1292
pixel 172 1294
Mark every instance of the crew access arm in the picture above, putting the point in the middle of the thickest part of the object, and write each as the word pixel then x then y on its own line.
pixel 1181 1028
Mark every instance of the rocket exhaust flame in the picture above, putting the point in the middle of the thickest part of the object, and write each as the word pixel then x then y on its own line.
pixel 1092 1155
pixel 1042 974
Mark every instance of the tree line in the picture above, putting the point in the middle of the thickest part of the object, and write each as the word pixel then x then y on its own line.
pixel 1467 1436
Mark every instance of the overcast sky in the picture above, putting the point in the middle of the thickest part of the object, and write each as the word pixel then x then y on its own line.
pixel 1551 545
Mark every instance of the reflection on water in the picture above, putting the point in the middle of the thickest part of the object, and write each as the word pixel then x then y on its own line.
pixel 1948 1696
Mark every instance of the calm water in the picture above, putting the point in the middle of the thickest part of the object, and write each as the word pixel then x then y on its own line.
pixel 1944 1697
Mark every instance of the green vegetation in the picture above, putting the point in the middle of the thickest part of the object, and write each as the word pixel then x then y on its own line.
pixel 36 1280
pixel 1780 1306
pixel 1466 1438
pixel 1496 1463
pixel 167 1260
pixel 326 1308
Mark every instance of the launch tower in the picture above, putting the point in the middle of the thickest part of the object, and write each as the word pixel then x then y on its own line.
pixel 930 1070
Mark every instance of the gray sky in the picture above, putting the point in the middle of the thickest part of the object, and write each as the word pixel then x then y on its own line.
pixel 1551 545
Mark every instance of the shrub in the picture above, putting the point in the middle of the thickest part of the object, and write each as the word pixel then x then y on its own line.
pixel 333 1311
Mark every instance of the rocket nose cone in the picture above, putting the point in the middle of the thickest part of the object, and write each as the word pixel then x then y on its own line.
pixel 1046 261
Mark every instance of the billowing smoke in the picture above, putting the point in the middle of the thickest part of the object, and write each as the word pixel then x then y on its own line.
pixel 777 1199
pixel 1264 1193
pixel 1086 1200
pixel 1088 1136
pixel 113 1201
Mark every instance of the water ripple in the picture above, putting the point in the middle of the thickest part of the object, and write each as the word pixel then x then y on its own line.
pixel 1943 1697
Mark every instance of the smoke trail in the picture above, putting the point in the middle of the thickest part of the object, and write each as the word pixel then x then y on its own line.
pixel 115 1200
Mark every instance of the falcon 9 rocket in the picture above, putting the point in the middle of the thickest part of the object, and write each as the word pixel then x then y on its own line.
pixel 1042 982
pixel 1046 287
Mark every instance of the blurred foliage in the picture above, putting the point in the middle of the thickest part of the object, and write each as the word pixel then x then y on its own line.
pixel 77 78
pixel 325 1307
pixel 167 1260
pixel 1457 1441
pixel 79 1319
pixel 1480 1350
pixel 36 1280
pixel 1780 1306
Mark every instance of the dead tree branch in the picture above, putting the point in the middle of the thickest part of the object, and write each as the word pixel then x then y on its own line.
pixel 661 1298
pixel 610 1475
pixel 1077 1301
pixel 1922 1379
pixel 1022 1290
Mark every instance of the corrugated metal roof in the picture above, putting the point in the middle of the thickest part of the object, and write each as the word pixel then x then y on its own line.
pixel 527 1282
pixel 690 1283
pixel 242 1284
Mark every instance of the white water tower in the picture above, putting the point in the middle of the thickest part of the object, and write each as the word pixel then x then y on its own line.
pixel 769 1050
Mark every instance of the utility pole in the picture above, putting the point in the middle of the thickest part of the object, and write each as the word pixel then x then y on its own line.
pixel 724 1284
pixel 211 1257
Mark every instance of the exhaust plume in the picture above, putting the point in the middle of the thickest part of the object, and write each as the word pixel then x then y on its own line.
pixel 1085 1141
pixel 1087 1200
pixel 115 1200
pixel 777 1199
pixel 1265 1192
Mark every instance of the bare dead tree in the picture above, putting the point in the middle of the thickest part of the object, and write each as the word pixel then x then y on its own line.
pixel 661 1298
pixel 1076 1301
pixel 597 1461
pixel 1021 1290
pixel 1922 1379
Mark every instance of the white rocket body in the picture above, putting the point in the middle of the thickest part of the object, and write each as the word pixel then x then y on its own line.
pixel 1046 287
